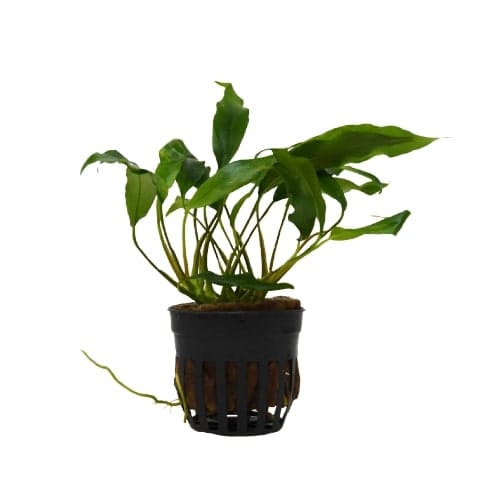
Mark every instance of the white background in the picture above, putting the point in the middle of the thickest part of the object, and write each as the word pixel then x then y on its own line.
pixel 399 350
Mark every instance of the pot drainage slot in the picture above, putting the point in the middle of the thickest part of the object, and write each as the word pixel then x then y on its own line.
pixel 237 398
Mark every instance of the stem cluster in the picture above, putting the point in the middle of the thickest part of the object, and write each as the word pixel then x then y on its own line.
pixel 220 242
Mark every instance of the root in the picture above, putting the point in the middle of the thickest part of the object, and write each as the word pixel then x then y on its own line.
pixel 139 394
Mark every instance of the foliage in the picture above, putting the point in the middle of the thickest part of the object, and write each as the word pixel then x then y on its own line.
pixel 301 181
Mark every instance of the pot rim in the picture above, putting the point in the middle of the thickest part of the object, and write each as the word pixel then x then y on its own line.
pixel 233 312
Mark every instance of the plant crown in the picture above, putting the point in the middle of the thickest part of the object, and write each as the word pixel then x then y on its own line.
pixel 231 258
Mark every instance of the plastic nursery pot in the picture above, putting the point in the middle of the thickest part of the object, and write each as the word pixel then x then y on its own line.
pixel 236 371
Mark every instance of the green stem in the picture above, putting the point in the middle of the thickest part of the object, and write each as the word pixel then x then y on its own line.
pixel 200 263
pixel 199 245
pixel 140 394
pixel 283 219
pixel 260 152
pixel 216 247
pixel 184 243
pixel 248 239
pixel 209 238
pixel 238 238
pixel 278 274
pixel 167 246
pixel 263 253
pixel 327 231
pixel 241 250
pixel 163 273
pixel 195 223
pixel 234 232
pixel 237 246
pixel 219 255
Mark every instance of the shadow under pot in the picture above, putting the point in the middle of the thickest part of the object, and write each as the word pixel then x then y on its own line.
pixel 236 371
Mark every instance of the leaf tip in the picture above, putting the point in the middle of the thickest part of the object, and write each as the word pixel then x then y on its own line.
pixel 404 215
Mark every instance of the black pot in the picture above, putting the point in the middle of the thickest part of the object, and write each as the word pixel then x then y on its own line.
pixel 236 371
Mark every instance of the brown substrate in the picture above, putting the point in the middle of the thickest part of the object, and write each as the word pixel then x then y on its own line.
pixel 275 303
pixel 210 392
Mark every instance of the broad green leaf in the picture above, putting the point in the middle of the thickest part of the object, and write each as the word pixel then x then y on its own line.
pixel 389 225
pixel 165 175
pixel 332 188
pixel 229 125
pixel 281 192
pixel 304 191
pixel 228 179
pixel 175 149
pixel 192 172
pixel 369 188
pixel 357 143
pixel 140 190
pixel 140 193
pixel 244 281
pixel 269 181
pixel 111 156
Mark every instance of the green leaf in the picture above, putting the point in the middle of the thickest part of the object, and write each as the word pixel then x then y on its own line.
pixel 357 143
pixel 140 193
pixel 368 188
pixel 229 125
pixel 363 173
pixel 140 190
pixel 269 181
pixel 244 281
pixel 165 175
pixel 175 149
pixel 281 192
pixel 228 179
pixel 111 156
pixel 389 225
pixel 178 204
pixel 237 207
pixel 192 172
pixel 303 189
pixel 332 188
pixel 372 187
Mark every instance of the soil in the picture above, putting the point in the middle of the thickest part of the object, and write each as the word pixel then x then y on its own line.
pixel 209 385
pixel 275 303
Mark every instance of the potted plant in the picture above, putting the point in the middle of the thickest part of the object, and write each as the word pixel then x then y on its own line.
pixel 236 369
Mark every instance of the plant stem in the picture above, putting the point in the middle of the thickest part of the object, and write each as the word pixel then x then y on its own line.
pixel 195 223
pixel 237 246
pixel 236 255
pixel 209 237
pixel 199 262
pixel 283 219
pixel 238 236
pixel 234 232
pixel 140 394
pixel 278 274
pixel 263 254
pixel 165 242
pixel 163 273
pixel 219 255
pixel 248 239
pixel 184 243
pixel 216 247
